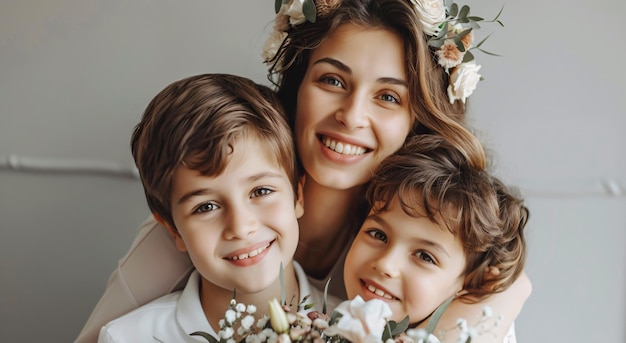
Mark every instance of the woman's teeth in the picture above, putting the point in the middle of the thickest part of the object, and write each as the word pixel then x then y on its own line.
pixel 250 254
pixel 342 148
pixel 379 292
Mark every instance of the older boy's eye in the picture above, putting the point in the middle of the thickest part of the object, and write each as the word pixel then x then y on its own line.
pixel 206 207
pixel 262 191
pixel 378 235
pixel 425 257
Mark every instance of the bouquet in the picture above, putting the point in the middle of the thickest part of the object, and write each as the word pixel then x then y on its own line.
pixel 353 320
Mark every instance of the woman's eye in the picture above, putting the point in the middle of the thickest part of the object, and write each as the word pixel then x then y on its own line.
pixel 206 207
pixel 259 192
pixel 333 81
pixel 425 257
pixel 389 98
pixel 378 235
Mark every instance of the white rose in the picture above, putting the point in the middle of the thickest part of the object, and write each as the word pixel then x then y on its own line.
pixel 463 81
pixel 294 11
pixel 361 321
pixel 432 13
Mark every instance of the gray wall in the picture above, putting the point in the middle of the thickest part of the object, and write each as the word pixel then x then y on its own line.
pixel 75 76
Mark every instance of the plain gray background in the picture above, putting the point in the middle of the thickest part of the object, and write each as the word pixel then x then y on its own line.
pixel 75 76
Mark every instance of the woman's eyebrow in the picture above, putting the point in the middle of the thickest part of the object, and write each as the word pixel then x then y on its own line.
pixel 344 68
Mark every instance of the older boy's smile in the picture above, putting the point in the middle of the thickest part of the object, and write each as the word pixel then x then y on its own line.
pixel 251 256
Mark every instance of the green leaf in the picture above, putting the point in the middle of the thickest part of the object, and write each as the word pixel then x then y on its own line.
pixel 443 30
pixel 482 41
pixel 308 8
pixel 464 12
pixel 459 44
pixel 434 318
pixel 468 56
pixel 326 295
pixel 499 22
pixel 498 15
pixel 489 53
pixel 400 327
pixel 277 5
pixel 474 18
pixel 281 276
pixel 309 306
pixel 436 42
pixel 205 335
pixel 454 10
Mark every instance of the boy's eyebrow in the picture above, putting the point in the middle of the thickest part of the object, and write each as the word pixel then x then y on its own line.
pixel 343 67
pixel 250 178
pixel 427 242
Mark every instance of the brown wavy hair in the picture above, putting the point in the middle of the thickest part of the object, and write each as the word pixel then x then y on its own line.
pixel 196 122
pixel 431 178
pixel 428 81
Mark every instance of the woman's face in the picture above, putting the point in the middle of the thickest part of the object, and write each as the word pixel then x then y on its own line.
pixel 353 106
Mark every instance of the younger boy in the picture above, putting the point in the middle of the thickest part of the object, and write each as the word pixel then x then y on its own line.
pixel 437 229
pixel 217 162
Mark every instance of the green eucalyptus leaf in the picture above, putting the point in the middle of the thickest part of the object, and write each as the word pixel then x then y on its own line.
pixel 454 10
pixel 206 336
pixel 474 18
pixel 482 41
pixel 309 306
pixel 459 44
pixel 277 5
pixel 434 318
pixel 400 327
pixel 308 8
pixel 468 57
pixel 499 13
pixel 281 276
pixel 489 53
pixel 463 13
pixel 387 332
pixel 499 22
pixel 436 42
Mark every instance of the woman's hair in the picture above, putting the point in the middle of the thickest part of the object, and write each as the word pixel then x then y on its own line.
pixel 196 122
pixel 429 102
pixel 432 179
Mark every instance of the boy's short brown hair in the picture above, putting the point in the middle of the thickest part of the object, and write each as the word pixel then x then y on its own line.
pixel 196 121
pixel 433 179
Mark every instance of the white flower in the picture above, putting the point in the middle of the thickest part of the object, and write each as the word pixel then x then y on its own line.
pixel 294 11
pixel 278 317
pixel 487 312
pixel 463 81
pixel 432 13
pixel 226 333
pixel 247 322
pixel 361 321
pixel 272 44
pixel 230 316
pixel 251 309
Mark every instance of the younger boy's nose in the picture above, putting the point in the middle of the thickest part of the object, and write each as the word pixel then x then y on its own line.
pixel 241 223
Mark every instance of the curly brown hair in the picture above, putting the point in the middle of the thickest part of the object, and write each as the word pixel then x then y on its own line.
pixel 431 178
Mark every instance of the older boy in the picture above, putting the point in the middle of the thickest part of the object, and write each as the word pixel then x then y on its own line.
pixel 216 159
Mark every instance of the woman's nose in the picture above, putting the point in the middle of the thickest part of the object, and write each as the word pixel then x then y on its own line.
pixel 353 114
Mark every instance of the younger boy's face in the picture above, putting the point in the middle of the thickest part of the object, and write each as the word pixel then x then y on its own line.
pixel 239 226
pixel 410 263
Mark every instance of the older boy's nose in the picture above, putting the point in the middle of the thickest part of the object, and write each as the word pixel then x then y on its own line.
pixel 353 113
pixel 241 223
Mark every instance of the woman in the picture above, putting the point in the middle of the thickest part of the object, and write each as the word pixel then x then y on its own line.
pixel 357 82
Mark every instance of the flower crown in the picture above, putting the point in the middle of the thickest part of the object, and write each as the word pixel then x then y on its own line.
pixel 450 29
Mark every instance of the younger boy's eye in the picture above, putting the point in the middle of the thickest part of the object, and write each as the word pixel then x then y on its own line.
pixel 377 234
pixel 425 257
pixel 261 191
pixel 206 207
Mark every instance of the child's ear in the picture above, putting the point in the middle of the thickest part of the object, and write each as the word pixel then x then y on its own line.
pixel 178 239
pixel 300 197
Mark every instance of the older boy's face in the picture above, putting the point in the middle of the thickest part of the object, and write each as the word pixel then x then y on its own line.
pixel 410 263
pixel 239 226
